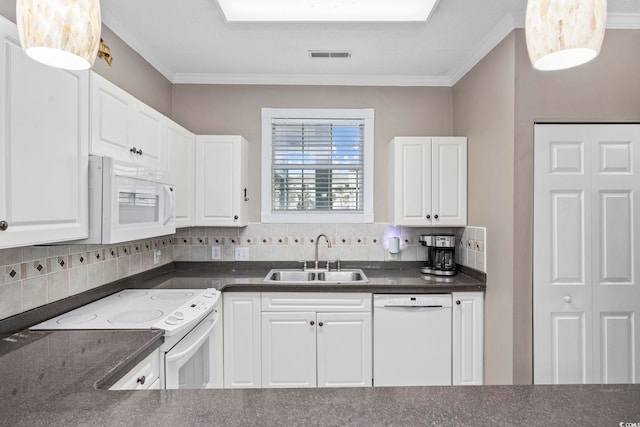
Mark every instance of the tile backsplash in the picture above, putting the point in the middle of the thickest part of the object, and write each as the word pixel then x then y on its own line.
pixel 351 242
pixel 36 275
pixel 32 276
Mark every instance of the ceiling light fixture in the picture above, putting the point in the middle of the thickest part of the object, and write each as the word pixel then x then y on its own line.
pixel 60 33
pixel 564 33
pixel 327 10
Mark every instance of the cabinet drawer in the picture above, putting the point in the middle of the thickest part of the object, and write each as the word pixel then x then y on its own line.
pixel 143 376
pixel 318 302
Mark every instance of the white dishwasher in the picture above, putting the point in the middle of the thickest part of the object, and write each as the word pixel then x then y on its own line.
pixel 411 340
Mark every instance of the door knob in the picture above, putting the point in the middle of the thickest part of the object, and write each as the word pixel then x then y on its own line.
pixel 320 324
pixel 312 323
pixel 435 216
pixel 428 216
pixel 567 298
pixel 141 380
pixel 4 225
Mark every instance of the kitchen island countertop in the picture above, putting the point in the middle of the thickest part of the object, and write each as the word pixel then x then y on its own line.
pixel 48 378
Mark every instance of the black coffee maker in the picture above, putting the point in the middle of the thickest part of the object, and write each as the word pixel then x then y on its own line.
pixel 441 255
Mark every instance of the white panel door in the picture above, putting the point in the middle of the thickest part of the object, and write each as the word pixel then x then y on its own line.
pixel 221 176
pixel 585 296
pixel 43 148
pixel 449 181
pixel 344 350
pixel 288 349
pixel 181 164
pixel 242 342
pixel 467 338
pixel 410 181
pixel 616 225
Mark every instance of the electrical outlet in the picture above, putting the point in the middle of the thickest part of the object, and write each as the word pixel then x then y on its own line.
pixel 156 256
pixel 215 252
pixel 242 253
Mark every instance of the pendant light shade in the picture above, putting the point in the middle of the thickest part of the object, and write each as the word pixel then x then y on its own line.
pixel 60 33
pixel 564 33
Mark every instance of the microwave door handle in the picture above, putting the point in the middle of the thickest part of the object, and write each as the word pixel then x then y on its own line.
pixel 193 347
pixel 167 190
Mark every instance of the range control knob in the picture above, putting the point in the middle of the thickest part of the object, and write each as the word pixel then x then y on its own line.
pixel 210 293
pixel 179 315
pixel 171 320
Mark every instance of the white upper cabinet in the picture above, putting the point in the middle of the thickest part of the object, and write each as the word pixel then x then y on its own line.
pixel 123 127
pixel 43 148
pixel 428 181
pixel 221 180
pixel 180 163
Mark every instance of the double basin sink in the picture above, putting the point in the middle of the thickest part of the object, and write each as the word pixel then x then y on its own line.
pixel 316 277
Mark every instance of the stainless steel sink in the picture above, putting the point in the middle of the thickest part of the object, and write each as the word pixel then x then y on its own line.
pixel 342 276
pixel 315 277
pixel 289 276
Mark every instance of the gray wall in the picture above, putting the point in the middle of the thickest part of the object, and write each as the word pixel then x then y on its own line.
pixel 604 90
pixel 483 110
pixel 235 109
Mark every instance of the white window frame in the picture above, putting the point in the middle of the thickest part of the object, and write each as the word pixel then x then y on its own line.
pixel 268 215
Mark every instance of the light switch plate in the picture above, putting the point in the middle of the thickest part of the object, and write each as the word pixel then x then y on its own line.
pixel 215 252
pixel 242 253
pixel 156 256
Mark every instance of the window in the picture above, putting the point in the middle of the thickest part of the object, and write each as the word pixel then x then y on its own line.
pixel 317 165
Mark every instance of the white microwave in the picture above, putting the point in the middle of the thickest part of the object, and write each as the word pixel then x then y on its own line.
pixel 128 202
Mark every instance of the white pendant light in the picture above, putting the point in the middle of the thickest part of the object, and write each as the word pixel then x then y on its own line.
pixel 564 33
pixel 60 33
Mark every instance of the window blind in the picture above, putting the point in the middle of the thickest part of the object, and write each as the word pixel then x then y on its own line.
pixel 317 165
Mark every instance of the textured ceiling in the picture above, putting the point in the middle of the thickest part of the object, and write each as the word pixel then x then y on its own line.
pixel 190 41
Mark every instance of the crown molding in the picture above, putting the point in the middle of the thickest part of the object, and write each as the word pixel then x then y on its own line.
pixel 310 80
pixel 623 21
pixel 499 32
pixel 116 24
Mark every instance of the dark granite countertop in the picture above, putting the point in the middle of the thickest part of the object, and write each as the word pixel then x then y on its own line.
pixel 51 378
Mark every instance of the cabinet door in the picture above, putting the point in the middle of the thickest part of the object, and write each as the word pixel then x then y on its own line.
pixel 449 185
pixel 221 177
pixel 344 350
pixel 242 344
pixel 410 181
pixel 123 127
pixel 149 135
pixel 288 349
pixel 112 120
pixel 180 163
pixel 43 148
pixel 467 351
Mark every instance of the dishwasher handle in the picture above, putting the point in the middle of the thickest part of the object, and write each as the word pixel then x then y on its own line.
pixel 413 301
pixel 410 306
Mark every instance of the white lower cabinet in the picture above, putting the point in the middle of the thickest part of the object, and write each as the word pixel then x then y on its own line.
pixel 144 376
pixel 344 350
pixel 289 350
pixel 326 345
pixel 467 343
pixel 241 315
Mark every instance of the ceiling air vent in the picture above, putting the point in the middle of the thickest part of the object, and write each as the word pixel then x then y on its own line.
pixel 329 54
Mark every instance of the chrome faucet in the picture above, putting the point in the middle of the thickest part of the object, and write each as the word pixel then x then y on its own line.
pixel 318 241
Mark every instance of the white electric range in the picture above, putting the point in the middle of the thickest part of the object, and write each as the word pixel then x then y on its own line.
pixel 190 318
